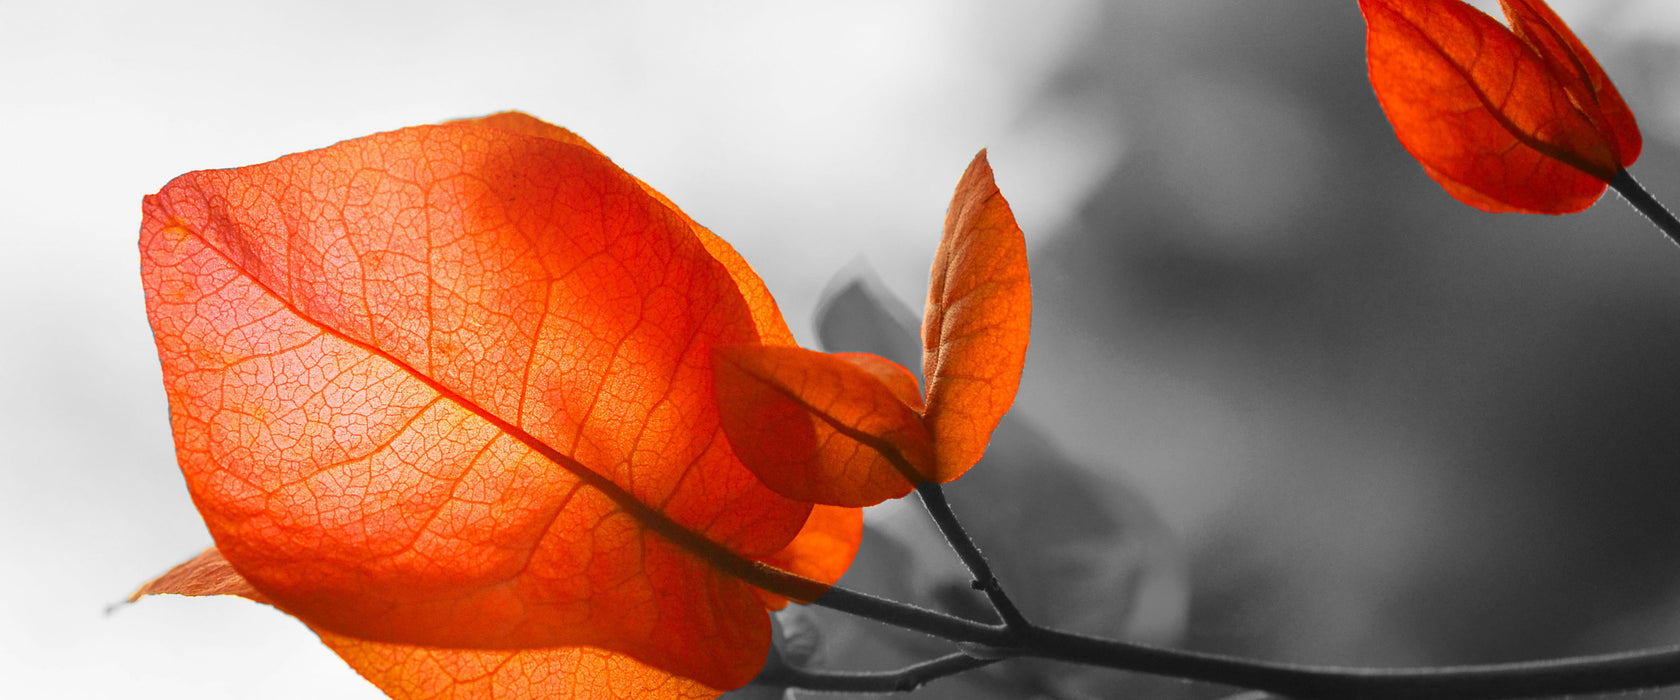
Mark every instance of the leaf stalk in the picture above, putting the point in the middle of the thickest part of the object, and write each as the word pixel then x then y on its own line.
pixel 781 674
pixel 933 499
pixel 1644 203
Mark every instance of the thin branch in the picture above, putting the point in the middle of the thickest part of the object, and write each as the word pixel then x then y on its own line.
pixel 1632 671
pixel 902 680
pixel 933 499
pixel 1641 200
pixel 1641 670
pixel 911 617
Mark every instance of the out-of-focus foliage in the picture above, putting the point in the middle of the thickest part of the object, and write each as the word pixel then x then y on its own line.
pixel 1390 429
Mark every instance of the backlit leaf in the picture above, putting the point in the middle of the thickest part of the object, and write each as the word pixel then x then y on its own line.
pixel 822 428
pixel 424 673
pixel 571 673
pixel 822 551
pixel 1505 121
pixel 206 574
pixel 1590 89
pixel 896 377
pixel 974 332
pixel 450 386
pixel 772 330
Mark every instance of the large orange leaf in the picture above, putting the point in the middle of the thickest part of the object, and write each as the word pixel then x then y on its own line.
pixel 772 330
pixel 450 386
pixel 975 327
pixel 1505 121
pixel 409 672
pixel 823 428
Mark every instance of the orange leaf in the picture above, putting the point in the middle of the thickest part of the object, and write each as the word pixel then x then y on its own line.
pixel 822 428
pixel 974 333
pixel 772 330
pixel 1505 121
pixel 573 673
pixel 897 379
pixel 206 574
pixel 423 673
pixel 450 386
pixel 1589 87
pixel 823 551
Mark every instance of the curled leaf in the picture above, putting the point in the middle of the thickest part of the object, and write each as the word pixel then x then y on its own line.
pixel 1505 121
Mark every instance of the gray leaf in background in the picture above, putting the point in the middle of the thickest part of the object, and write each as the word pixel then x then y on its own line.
pixel 859 315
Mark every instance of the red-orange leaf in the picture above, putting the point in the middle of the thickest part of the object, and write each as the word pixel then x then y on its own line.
pixel 571 673
pixel 823 550
pixel 974 332
pixel 822 428
pixel 772 330
pixel 1505 121
pixel 425 673
pixel 451 386
pixel 206 574
pixel 1589 87
pixel 897 379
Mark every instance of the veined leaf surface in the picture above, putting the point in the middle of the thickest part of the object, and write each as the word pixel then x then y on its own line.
pixel 451 387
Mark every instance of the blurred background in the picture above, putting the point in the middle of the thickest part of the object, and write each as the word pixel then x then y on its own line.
pixel 1334 416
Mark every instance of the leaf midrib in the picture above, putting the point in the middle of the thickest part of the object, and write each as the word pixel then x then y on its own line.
pixel 721 558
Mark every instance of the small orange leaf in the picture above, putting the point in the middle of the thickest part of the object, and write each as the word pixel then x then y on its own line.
pixel 1523 121
pixel 424 673
pixel 206 574
pixel 975 331
pixel 451 386
pixel 899 380
pixel 822 551
pixel 1589 87
pixel 821 428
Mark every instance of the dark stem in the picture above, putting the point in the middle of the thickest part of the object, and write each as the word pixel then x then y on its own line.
pixel 1588 674
pixel 1632 671
pixel 933 499
pixel 906 679
pixel 1641 670
pixel 1641 200
pixel 911 617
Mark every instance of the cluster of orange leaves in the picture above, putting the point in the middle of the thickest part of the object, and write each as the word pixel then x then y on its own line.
pixel 1518 119
pixel 497 420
